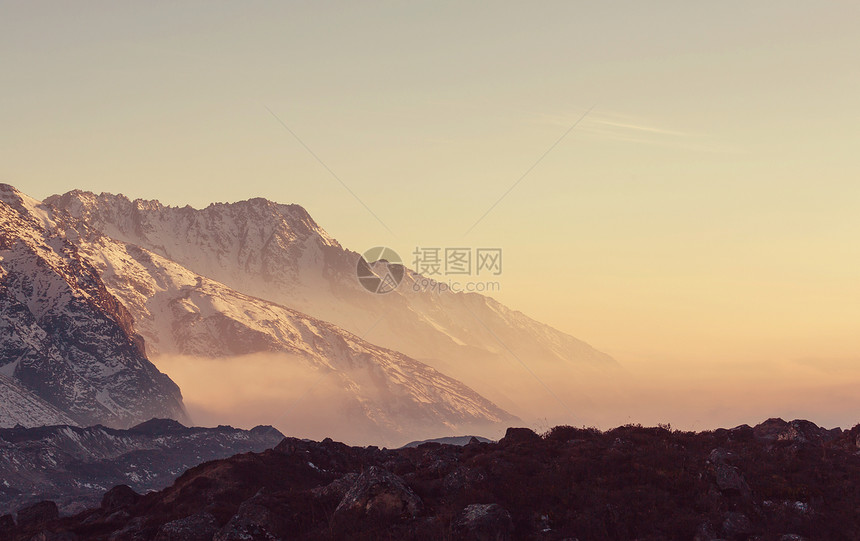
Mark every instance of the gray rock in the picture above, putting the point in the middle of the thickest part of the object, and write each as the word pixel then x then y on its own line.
pixel 483 522
pixel 379 495
pixel 727 477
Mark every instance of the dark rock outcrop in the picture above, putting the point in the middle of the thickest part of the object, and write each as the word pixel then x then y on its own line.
pixel 37 514
pixel 797 431
pixel 119 497
pixel 568 484
pixel 515 436
pixel 7 525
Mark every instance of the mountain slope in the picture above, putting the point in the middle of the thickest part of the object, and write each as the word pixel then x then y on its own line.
pixel 389 395
pixel 19 406
pixel 75 466
pixel 63 336
pixel 279 253
pixel 375 394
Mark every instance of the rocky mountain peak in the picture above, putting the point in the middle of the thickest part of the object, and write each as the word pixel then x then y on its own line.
pixel 66 339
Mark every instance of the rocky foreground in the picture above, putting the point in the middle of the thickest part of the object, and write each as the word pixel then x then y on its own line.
pixel 777 481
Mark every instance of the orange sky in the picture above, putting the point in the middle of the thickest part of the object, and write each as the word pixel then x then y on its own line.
pixel 704 211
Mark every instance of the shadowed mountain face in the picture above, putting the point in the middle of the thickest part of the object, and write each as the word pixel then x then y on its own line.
pixel 780 480
pixel 277 252
pixel 75 466
pixel 19 405
pixel 66 344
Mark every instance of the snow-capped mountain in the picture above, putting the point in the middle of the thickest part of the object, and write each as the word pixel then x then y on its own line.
pixel 277 252
pixel 67 347
pixel 75 466
pixel 386 395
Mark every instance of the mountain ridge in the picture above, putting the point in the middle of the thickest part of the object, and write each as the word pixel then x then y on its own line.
pixel 253 247
pixel 388 395
pixel 75 466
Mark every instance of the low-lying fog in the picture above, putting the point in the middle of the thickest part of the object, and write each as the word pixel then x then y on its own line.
pixel 279 390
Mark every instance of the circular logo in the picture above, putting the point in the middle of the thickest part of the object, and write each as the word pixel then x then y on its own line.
pixel 380 270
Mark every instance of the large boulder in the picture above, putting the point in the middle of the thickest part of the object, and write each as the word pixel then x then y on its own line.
pixel 727 477
pixel 483 522
pixel 377 495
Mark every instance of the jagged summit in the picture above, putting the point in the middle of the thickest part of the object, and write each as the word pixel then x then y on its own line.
pixel 127 218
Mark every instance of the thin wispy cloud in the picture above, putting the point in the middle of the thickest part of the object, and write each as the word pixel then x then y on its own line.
pixel 619 127
pixel 639 127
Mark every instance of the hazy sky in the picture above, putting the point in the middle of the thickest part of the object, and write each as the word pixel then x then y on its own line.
pixel 705 210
